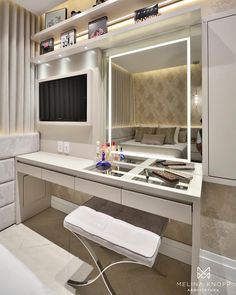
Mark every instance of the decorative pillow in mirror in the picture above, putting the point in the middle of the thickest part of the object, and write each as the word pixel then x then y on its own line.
pixel 155 139
pixel 140 131
pixel 183 136
pixel 169 134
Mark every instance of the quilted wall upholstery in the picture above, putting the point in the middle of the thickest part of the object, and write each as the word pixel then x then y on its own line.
pixel 12 146
pixel 161 96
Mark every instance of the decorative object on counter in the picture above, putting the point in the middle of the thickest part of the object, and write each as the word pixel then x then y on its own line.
pixel 175 165
pixel 47 46
pixel 97 27
pixel 99 2
pixel 145 13
pixel 54 17
pixel 166 176
pixel 68 38
pixel 73 12
pixel 103 164
pixel 97 158
pixel 122 156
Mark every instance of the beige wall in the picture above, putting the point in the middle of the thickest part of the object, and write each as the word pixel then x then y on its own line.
pixel 161 96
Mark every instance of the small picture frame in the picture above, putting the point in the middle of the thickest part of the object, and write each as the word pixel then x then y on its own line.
pixel 145 13
pixel 68 38
pixel 47 46
pixel 97 27
pixel 54 17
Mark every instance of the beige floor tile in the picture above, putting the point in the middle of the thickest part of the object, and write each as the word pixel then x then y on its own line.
pixel 126 279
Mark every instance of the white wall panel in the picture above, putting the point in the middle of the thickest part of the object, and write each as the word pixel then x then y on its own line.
pixel 222 97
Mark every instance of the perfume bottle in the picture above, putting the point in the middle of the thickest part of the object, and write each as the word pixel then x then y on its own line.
pixel 122 156
pixel 103 165
pixel 97 158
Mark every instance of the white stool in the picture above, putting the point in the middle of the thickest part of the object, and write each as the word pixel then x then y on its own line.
pixel 138 244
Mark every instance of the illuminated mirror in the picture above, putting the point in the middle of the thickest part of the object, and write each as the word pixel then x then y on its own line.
pixel 151 100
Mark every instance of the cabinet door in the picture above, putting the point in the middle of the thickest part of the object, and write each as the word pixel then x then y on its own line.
pixel 222 97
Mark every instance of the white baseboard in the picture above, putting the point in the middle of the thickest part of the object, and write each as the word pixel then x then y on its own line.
pixel 221 266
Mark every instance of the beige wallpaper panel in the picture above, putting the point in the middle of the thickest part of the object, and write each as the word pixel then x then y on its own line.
pixel 161 96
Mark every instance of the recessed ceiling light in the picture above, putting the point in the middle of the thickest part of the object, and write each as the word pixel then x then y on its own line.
pixel 39 61
pixel 85 47
pixel 60 55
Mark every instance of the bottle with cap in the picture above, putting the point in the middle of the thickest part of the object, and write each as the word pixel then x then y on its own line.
pixel 103 164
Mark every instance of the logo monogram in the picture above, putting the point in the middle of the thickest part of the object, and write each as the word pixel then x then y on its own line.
pixel 202 274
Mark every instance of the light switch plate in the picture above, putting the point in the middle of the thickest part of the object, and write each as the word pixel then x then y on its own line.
pixel 66 148
pixel 60 147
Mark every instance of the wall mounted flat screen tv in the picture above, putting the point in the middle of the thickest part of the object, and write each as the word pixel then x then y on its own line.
pixel 63 99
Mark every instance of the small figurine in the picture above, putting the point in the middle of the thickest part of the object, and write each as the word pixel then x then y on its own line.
pixel 99 2
pixel 74 12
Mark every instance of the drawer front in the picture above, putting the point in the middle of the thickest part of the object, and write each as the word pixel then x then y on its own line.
pixel 28 169
pixel 98 190
pixel 58 178
pixel 155 205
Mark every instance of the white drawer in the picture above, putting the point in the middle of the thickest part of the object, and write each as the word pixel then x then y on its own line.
pixel 98 190
pixel 155 205
pixel 30 170
pixel 58 178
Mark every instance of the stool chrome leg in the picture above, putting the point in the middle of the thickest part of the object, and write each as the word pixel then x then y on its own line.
pixel 98 265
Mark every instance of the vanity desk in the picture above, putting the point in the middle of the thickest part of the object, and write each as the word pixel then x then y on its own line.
pixel 126 184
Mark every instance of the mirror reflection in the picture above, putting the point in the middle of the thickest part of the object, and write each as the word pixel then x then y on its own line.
pixel 151 97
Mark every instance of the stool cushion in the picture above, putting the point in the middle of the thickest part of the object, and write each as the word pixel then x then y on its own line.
pixel 133 242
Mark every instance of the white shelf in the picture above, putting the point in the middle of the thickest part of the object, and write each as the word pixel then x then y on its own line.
pixel 129 34
pixel 113 9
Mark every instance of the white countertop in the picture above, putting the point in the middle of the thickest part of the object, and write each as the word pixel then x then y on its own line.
pixel 77 167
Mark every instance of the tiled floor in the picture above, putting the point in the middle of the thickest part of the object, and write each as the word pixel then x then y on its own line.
pixel 50 263
pixel 126 279
pixel 42 244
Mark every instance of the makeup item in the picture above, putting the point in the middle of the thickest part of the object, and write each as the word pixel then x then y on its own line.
pixel 146 174
pixel 113 150
pixel 117 154
pixel 122 156
pixel 182 176
pixel 172 163
pixel 103 165
pixel 189 166
pixel 166 176
pixel 108 151
pixel 97 158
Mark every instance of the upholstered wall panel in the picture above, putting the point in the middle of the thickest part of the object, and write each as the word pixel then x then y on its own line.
pixel 7 170
pixel 7 193
pixel 18 144
pixel 7 216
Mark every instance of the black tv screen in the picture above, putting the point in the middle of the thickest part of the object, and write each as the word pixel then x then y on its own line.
pixel 63 99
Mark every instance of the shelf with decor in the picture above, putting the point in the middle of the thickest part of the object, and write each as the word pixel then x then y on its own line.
pixel 113 9
pixel 167 22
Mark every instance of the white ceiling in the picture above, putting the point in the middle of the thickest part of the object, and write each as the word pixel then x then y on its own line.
pixel 38 7
pixel 162 57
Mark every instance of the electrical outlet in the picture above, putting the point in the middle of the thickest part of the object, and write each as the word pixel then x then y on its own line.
pixel 66 148
pixel 60 147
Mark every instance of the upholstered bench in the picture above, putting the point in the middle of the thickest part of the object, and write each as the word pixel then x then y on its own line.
pixel 138 244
